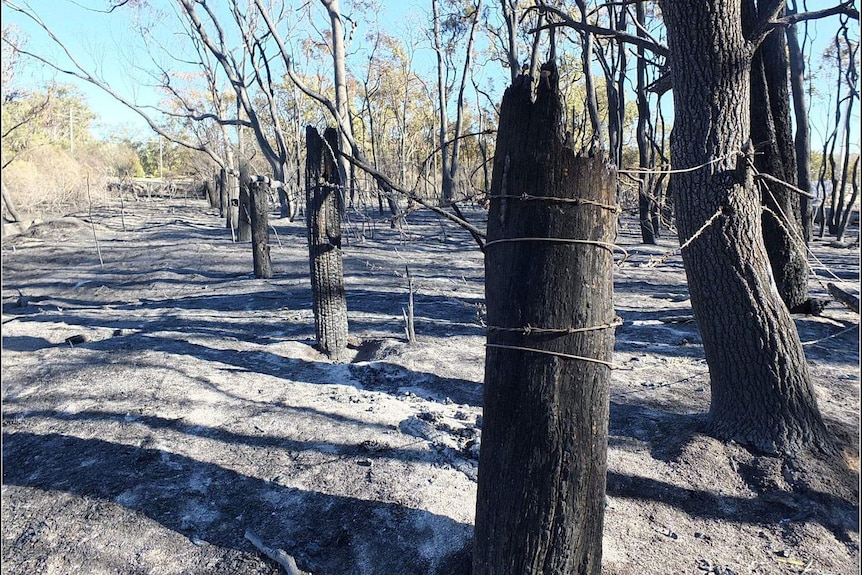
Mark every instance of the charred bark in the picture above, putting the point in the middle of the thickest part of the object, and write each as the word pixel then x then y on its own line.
pixel 223 199
pixel 324 205
pixel 259 212
pixel 772 136
pixel 802 139
pixel 549 290
pixel 243 229
pixel 647 208
pixel 211 193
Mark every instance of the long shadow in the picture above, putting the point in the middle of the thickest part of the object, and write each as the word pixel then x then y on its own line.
pixel 379 376
pixel 828 342
pixel 661 335
pixel 252 332
pixel 374 376
pixel 835 514
pixel 437 314
pixel 157 423
pixel 666 434
pixel 25 343
pixel 214 504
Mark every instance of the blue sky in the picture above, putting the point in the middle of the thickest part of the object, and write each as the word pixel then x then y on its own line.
pixel 104 43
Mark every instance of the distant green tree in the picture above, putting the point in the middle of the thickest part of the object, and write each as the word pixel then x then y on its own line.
pixel 58 116
pixel 160 158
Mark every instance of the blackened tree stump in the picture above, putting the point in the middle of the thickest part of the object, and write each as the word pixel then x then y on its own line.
pixel 258 210
pixel 549 292
pixel 324 205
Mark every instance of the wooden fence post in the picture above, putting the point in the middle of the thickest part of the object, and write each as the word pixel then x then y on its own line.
pixel 323 221
pixel 258 210
pixel 549 295
pixel 223 200
pixel 243 217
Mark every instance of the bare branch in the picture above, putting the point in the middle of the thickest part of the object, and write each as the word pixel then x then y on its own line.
pixel 358 160
pixel 82 73
pixel 599 31
pixel 31 114
pixel 113 7
pixel 770 20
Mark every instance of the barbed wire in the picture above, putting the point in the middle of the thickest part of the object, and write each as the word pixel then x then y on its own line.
pixel 529 330
pixel 615 208
pixel 654 262
pixel 608 364
pixel 606 245
pixel 669 170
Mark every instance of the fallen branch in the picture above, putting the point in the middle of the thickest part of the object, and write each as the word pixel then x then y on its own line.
pixel 849 300
pixel 277 555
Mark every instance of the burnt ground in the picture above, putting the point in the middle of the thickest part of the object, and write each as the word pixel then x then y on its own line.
pixel 192 406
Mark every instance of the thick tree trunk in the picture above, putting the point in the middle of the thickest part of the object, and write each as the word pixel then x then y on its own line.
pixel 284 210
pixel 324 204
pixel 232 216
pixel 761 388
pixel 772 136
pixel 549 289
pixel 211 193
pixel 243 230
pixel 285 199
pixel 259 212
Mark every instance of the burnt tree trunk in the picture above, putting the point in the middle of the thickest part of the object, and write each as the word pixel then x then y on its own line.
pixel 772 136
pixel 761 392
pixel 284 208
pixel 802 139
pixel 223 199
pixel 243 228
pixel 211 194
pixel 324 205
pixel 647 208
pixel 259 212
pixel 232 214
pixel 549 291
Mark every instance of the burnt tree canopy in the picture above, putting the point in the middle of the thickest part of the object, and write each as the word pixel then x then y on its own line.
pixel 549 292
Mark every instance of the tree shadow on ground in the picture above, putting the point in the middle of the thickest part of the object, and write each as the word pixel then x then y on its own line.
pixel 665 433
pixel 375 375
pixel 206 502
pixel 821 492
pixel 156 424
pixel 25 343
pixel 770 507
